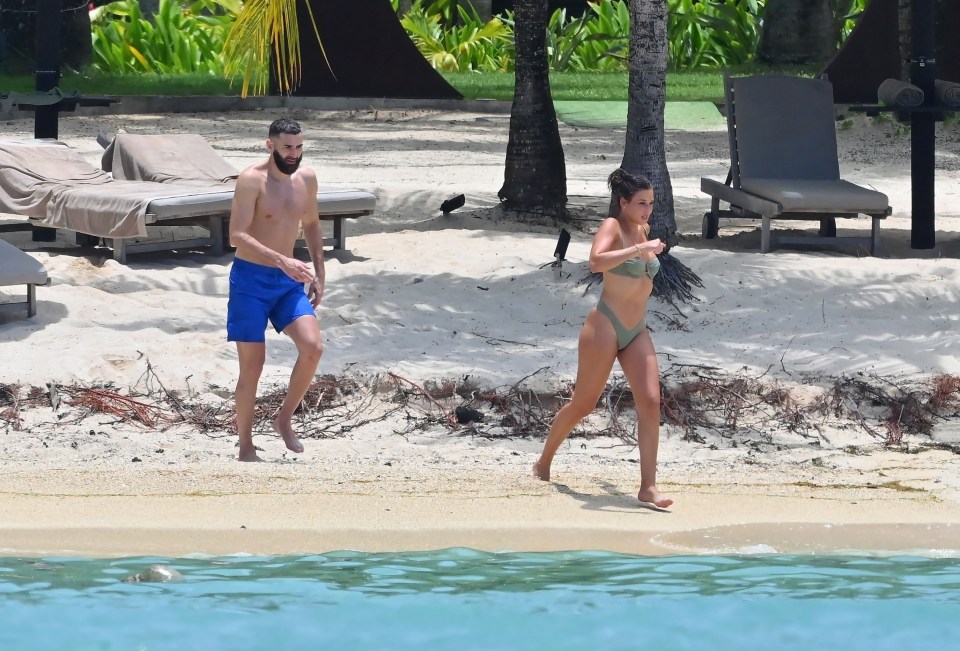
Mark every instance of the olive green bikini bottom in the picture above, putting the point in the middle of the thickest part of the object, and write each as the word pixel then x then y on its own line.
pixel 625 336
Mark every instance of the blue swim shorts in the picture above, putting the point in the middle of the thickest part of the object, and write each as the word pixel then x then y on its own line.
pixel 259 293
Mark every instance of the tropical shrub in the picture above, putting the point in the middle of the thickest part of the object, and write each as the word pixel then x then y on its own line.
pixel 847 14
pixel 191 38
pixel 468 44
pixel 598 41
pixel 701 33
pixel 177 39
pixel 713 34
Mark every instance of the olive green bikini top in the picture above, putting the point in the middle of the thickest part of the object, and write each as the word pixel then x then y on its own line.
pixel 636 268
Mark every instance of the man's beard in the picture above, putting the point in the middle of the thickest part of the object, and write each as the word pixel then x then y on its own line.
pixel 284 166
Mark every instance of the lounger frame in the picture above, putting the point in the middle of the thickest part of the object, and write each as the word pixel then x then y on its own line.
pixel 218 227
pixel 33 273
pixel 745 204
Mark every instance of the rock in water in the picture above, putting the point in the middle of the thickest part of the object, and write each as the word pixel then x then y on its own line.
pixel 156 574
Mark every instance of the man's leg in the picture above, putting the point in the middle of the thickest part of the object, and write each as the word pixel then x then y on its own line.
pixel 306 335
pixel 251 355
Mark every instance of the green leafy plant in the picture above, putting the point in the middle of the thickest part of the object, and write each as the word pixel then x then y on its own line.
pixel 471 45
pixel 598 40
pixel 713 33
pixel 845 15
pixel 233 37
pixel 701 33
pixel 264 28
pixel 187 39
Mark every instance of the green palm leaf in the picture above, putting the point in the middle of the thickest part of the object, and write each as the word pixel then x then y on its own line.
pixel 261 27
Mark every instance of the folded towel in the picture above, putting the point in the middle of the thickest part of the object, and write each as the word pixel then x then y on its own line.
pixel 893 92
pixel 42 98
pixel 947 93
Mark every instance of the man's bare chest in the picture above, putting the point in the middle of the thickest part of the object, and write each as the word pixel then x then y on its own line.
pixel 281 206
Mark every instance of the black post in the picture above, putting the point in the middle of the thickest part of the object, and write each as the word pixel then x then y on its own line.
pixel 923 72
pixel 48 66
pixel 47 77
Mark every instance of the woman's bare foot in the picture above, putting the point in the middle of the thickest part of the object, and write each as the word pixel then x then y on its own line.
pixel 541 472
pixel 652 496
pixel 285 430
pixel 248 454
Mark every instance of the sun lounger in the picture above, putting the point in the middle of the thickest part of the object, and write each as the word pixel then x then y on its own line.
pixel 189 159
pixel 57 188
pixel 19 268
pixel 784 165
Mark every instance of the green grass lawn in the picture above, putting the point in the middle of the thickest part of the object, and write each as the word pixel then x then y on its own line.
pixel 681 86
pixel 97 84
pixel 687 86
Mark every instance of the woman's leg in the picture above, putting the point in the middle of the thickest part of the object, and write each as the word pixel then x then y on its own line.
pixel 597 351
pixel 639 364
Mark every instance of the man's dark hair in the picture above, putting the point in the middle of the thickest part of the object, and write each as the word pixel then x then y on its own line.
pixel 284 125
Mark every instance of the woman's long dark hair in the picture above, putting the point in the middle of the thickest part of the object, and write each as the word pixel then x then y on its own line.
pixel 624 184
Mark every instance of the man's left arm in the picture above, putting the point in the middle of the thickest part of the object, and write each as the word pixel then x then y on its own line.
pixel 313 236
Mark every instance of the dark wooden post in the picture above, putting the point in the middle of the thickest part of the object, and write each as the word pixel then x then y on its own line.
pixel 47 77
pixel 923 72
pixel 48 65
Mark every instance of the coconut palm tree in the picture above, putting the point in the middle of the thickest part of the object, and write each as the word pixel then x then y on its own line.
pixel 645 151
pixel 535 176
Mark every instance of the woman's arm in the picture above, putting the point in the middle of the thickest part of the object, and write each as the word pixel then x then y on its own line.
pixel 607 251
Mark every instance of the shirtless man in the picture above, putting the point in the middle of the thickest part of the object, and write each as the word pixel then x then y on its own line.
pixel 273 199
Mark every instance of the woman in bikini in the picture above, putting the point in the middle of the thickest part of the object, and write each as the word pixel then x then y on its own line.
pixel 616 330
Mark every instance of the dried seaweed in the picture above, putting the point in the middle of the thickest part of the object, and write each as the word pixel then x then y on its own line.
pixel 105 401
pixel 695 399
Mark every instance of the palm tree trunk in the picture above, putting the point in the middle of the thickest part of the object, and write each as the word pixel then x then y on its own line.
pixel 535 176
pixel 797 32
pixel 645 150
pixel 484 8
pixel 905 26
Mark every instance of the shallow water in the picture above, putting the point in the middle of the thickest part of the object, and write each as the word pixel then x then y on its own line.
pixel 465 599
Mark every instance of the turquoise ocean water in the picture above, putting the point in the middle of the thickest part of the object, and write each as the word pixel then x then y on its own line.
pixel 464 599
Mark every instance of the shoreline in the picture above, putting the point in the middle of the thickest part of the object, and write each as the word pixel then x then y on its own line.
pixel 265 538
pixel 288 508
pixel 929 540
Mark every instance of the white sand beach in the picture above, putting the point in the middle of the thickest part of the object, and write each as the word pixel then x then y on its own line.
pixel 468 303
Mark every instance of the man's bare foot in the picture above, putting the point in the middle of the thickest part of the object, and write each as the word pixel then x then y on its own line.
pixel 652 496
pixel 248 454
pixel 285 430
pixel 541 472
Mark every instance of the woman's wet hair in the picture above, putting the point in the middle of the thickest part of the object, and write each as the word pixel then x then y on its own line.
pixel 624 184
